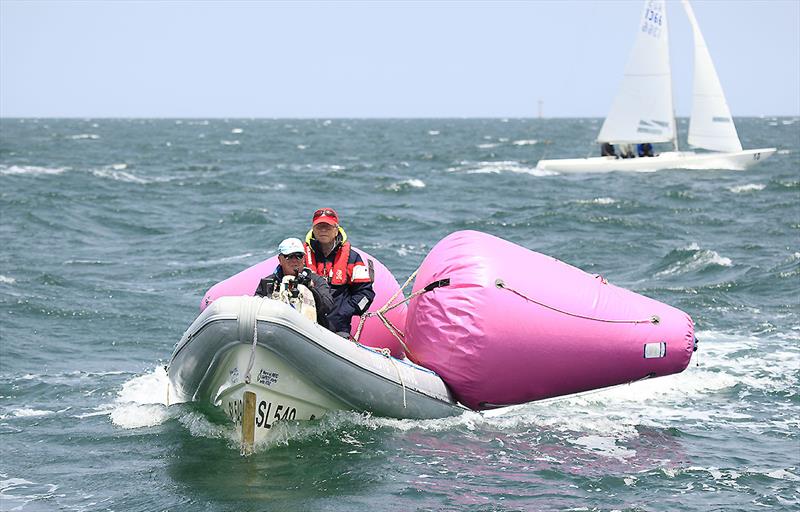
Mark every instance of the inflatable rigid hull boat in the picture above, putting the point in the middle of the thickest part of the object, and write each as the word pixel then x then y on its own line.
pixel 261 361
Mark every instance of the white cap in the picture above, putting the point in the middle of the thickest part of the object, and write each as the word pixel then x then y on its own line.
pixel 291 246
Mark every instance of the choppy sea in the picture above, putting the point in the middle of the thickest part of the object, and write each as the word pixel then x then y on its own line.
pixel 112 230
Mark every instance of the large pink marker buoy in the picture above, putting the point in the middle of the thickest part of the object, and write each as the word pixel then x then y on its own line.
pixel 373 333
pixel 504 325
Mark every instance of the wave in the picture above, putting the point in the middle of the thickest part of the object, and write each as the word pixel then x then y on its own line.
pixel 115 172
pixel 525 142
pixel 750 187
pixel 121 172
pixel 17 493
pixel 276 186
pixel 30 170
pixel 404 185
pixel 789 267
pixel 598 200
pixel 7 280
pixel 692 259
pixel 229 142
pixel 26 413
pixel 84 136
pixel 228 259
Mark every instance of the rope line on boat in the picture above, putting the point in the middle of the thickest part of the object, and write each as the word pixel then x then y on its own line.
pixel 655 320
pixel 252 349
pixel 388 354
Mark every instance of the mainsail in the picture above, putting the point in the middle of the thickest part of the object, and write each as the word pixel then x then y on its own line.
pixel 711 125
pixel 642 110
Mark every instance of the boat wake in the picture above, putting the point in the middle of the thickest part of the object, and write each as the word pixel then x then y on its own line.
pixel 142 401
pixel 509 166
pixel 605 422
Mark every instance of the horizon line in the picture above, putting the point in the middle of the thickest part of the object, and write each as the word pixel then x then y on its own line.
pixel 376 118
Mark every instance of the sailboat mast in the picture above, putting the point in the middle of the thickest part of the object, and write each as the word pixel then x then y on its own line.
pixel 675 131
pixel 674 118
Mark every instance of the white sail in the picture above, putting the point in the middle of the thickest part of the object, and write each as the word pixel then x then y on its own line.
pixel 711 125
pixel 642 110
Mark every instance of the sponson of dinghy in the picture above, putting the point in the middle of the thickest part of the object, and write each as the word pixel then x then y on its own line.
pixel 296 368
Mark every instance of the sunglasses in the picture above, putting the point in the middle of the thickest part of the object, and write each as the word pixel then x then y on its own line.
pixel 327 212
pixel 294 256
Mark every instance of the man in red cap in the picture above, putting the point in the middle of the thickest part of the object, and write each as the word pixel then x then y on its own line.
pixel 328 253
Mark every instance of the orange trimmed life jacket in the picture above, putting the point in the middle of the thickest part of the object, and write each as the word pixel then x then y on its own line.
pixel 341 271
pixel 337 273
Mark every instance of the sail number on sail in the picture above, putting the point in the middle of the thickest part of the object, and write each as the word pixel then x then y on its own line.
pixel 652 20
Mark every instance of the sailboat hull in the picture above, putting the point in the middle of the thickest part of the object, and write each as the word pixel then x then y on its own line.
pixel 732 161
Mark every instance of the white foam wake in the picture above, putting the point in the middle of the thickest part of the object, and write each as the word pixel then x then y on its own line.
pixel 499 167
pixel 142 401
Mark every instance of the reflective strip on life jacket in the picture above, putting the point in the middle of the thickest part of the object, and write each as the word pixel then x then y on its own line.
pixel 359 273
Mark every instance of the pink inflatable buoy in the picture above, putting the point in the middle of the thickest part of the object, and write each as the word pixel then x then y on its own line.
pixel 504 325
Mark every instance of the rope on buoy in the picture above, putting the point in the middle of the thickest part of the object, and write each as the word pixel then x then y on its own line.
pixel 655 320
pixel 381 312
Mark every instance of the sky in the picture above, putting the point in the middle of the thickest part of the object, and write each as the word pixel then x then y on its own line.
pixel 374 59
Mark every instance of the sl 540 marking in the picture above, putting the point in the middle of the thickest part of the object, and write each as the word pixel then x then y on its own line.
pixel 266 417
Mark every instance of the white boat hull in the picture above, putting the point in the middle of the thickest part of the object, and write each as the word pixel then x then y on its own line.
pixel 735 161
pixel 295 370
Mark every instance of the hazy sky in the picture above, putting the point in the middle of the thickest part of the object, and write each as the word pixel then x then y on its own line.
pixel 374 59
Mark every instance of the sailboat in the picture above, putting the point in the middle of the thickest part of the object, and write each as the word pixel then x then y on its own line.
pixel 642 112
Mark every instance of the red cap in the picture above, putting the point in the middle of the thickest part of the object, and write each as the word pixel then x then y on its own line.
pixel 327 215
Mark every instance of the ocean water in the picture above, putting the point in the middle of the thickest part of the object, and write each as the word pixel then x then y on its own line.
pixel 112 230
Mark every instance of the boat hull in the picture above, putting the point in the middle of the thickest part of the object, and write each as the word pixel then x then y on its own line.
pixel 261 362
pixel 735 161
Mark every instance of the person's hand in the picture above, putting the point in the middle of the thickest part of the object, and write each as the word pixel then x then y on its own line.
pixel 304 278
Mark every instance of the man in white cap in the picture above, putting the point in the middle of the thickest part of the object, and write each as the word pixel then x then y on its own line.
pixel 290 263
